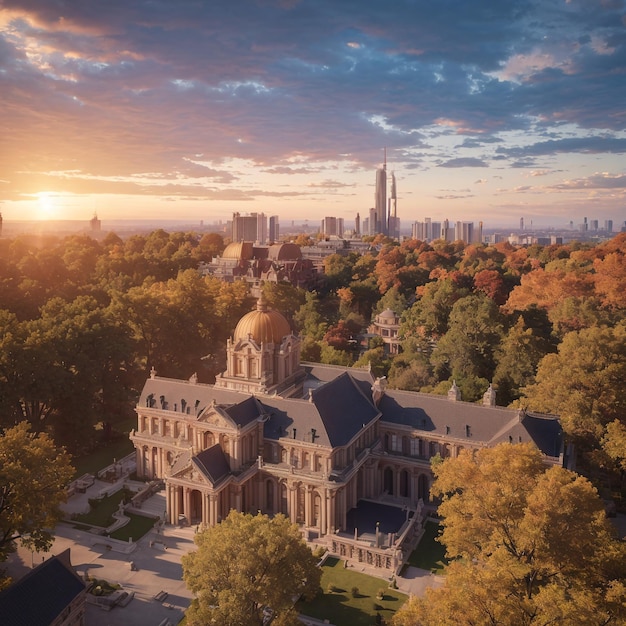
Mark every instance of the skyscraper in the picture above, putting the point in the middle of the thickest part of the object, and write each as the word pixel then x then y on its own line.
pixel 251 227
pixel 274 233
pixel 380 198
pixel 394 220
pixel 332 226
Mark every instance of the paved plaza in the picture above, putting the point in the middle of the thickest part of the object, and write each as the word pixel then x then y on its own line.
pixel 147 567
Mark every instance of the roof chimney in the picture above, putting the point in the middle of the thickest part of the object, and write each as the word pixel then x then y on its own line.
pixel 455 393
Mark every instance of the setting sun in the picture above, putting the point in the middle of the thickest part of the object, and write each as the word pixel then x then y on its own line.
pixel 47 206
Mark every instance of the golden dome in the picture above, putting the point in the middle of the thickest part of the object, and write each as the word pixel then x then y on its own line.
pixel 264 325
pixel 241 251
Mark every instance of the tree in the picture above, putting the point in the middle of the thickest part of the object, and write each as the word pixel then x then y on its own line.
pixel 517 358
pixel 531 545
pixel 583 382
pixel 467 350
pixel 429 316
pixel 246 563
pixel 33 477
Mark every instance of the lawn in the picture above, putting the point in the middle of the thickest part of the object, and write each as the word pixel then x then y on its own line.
pixel 341 607
pixel 102 515
pixel 138 526
pixel 429 554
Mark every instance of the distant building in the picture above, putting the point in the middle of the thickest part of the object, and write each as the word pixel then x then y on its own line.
pixel 387 325
pixel 274 231
pixel 255 264
pixel 380 198
pixel 251 227
pixel 332 227
pixel 95 224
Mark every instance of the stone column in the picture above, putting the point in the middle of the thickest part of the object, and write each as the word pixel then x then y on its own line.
pixel 187 504
pixel 292 502
pixel 212 509
pixel 323 511
pixel 308 505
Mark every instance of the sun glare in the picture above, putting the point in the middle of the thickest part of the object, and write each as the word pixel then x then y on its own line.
pixel 47 206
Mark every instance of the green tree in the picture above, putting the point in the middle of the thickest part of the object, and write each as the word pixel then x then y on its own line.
pixel 517 358
pixel 430 314
pixel 467 350
pixel 33 477
pixel 583 382
pixel 246 563
pixel 531 546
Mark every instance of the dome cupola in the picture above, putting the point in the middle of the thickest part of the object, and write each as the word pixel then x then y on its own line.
pixel 263 325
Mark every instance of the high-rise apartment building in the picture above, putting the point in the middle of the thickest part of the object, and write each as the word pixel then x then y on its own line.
pixel 461 231
pixel 251 227
pixel 274 232
pixel 332 226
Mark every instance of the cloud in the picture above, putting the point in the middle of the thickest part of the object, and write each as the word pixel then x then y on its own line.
pixel 303 88
pixel 464 162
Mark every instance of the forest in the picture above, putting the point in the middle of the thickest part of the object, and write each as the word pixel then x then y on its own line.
pixel 82 321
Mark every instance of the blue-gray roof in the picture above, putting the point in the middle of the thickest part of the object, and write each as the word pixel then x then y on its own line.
pixel 212 463
pixel 42 594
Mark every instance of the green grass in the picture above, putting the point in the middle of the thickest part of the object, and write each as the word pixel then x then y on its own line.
pixel 102 513
pixel 429 554
pixel 138 526
pixel 339 607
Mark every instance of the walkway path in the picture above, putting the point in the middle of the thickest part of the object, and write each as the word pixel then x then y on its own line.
pixel 157 563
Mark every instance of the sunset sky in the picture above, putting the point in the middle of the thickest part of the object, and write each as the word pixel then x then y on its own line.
pixel 188 109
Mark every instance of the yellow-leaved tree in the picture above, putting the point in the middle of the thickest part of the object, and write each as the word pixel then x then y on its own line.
pixel 530 545
pixel 245 565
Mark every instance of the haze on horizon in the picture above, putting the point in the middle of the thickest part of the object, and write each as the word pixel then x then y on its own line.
pixel 154 109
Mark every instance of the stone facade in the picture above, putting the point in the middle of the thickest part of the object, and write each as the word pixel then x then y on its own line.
pixel 279 436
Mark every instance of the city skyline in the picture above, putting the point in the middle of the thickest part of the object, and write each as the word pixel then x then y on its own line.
pixel 197 111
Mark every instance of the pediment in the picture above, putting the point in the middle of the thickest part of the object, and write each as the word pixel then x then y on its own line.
pixel 192 474
pixel 215 417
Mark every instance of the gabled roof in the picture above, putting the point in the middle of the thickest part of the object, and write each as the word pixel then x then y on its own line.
pixel 244 412
pixel 336 413
pixel 344 408
pixel 475 423
pixel 42 594
pixel 212 464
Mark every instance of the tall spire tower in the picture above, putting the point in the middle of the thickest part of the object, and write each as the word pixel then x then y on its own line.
pixel 380 198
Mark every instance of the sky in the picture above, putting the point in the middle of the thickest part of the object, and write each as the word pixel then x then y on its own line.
pixel 489 110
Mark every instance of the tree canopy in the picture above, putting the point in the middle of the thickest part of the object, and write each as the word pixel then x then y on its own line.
pixel 247 563
pixel 529 545
pixel 33 477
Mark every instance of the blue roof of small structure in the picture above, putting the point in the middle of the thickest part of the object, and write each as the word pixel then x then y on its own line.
pixel 41 595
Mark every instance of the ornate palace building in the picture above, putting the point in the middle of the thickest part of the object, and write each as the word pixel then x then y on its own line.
pixel 279 436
